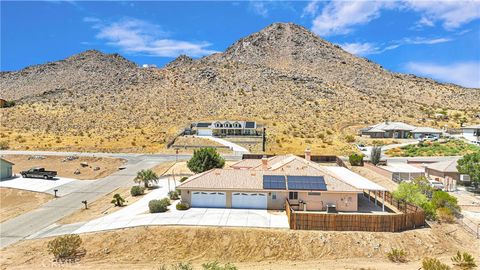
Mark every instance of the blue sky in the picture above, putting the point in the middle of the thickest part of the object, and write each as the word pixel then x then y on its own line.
pixel 437 39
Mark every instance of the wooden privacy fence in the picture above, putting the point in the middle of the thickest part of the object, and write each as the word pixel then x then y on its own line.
pixel 300 220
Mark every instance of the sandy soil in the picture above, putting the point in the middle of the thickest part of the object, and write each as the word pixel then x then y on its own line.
pixel 248 248
pixel 14 202
pixel 66 169
pixel 375 177
pixel 101 207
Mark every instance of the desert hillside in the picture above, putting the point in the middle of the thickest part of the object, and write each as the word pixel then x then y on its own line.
pixel 306 90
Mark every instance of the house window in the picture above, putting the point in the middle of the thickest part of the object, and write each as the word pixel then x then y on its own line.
pixel 313 193
pixel 293 195
pixel 274 195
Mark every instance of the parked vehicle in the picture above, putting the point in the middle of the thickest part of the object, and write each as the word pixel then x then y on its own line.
pixel 38 172
pixel 436 185
pixel 428 138
pixel 361 147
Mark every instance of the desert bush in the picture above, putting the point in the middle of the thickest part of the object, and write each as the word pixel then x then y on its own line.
pixel 183 179
pixel 217 266
pixel 464 260
pixel 356 159
pixel 157 206
pixel 397 255
pixel 118 200
pixel 182 206
pixel 137 191
pixel 434 264
pixel 65 247
pixel 178 266
pixel 173 195
pixel 349 138
pixel 4 145
pixel 445 215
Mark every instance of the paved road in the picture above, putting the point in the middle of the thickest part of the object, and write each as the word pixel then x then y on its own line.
pixel 38 219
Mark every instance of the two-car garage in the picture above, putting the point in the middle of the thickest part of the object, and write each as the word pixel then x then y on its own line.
pixel 242 200
pixel 249 200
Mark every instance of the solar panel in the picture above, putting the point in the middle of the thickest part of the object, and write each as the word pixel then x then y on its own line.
pixel 250 125
pixel 274 182
pixel 203 124
pixel 306 182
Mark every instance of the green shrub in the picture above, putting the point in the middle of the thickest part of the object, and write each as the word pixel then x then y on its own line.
pixel 464 260
pixel 356 159
pixel 166 201
pixel 182 206
pixel 118 200
pixel 434 264
pixel 205 159
pixel 65 247
pixel 173 195
pixel 397 255
pixel 178 266
pixel 183 179
pixel 137 191
pixel 216 266
pixel 157 206
pixel 441 199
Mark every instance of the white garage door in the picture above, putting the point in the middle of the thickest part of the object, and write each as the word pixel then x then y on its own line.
pixel 249 200
pixel 209 199
pixel 204 132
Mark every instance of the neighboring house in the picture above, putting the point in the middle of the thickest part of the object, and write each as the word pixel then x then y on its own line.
pixel 398 171
pixel 398 130
pixel 421 132
pixel 267 183
pixel 6 171
pixel 445 169
pixel 471 133
pixel 226 128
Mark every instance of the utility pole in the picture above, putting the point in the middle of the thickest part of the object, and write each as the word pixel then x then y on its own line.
pixel 264 139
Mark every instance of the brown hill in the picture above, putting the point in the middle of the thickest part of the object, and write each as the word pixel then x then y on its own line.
pixel 307 90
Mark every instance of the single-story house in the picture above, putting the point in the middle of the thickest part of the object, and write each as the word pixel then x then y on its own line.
pixel 398 171
pixel 421 132
pixel 268 182
pixel 398 130
pixel 471 133
pixel 6 171
pixel 225 128
pixel 445 169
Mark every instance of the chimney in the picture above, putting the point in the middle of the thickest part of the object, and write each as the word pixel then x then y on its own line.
pixel 308 154
pixel 265 162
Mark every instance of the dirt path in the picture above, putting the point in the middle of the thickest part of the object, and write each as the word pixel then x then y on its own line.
pixel 150 247
pixel 14 202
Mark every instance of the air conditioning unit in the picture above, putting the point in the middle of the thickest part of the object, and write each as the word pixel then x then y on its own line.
pixel 464 177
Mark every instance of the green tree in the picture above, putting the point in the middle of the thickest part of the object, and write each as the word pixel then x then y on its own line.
pixel 118 200
pixel 146 177
pixel 376 154
pixel 470 164
pixel 442 199
pixel 356 159
pixel 410 192
pixel 205 159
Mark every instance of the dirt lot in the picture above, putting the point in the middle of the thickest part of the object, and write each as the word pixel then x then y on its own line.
pixel 101 207
pixel 67 168
pixel 14 202
pixel 150 247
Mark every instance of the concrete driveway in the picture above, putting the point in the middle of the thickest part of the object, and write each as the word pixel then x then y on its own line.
pixel 64 185
pixel 237 149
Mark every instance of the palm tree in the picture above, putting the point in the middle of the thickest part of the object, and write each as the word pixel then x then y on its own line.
pixel 146 176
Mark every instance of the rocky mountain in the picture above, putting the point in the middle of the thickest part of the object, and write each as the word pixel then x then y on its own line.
pixel 307 90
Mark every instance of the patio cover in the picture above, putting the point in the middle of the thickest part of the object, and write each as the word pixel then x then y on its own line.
pixel 354 179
